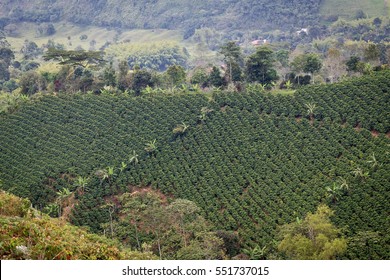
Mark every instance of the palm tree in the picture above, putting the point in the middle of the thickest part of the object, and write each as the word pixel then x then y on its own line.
pixel 105 174
pixel 148 90
pixel 123 166
pixel 359 173
pixel 310 110
pixel 151 147
pixel 288 85
pixel 256 253
pixel 81 183
pixel 134 158
pixel 204 112
pixel 343 184
pixel 334 192
pixel 373 161
pixel 62 195
pixel 180 128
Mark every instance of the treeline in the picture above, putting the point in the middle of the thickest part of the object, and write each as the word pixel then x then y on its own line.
pixel 163 69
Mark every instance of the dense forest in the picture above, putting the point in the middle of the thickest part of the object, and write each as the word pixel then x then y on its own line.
pixel 194 129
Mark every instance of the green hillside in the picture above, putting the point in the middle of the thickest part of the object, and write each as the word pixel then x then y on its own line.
pixel 178 14
pixel 27 234
pixel 349 8
pixel 251 161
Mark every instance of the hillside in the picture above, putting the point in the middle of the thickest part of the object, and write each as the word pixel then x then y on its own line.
pixel 348 9
pixel 28 234
pixel 178 14
pixel 187 15
pixel 250 161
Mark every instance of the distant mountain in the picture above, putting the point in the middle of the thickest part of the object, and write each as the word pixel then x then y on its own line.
pixel 174 14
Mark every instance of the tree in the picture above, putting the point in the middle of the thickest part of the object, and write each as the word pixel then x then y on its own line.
pixel 256 253
pixel 215 78
pixel 111 210
pixel 81 183
pixel 359 173
pixel 353 63
pixel 62 195
pixel 31 82
pixel 372 53
pixel 6 57
pixel 140 80
pixel 233 59
pixel 182 212
pixel 204 112
pixel 151 147
pixel 109 76
pixel 259 66
pixel 206 246
pixel 311 107
pixel 122 75
pixel 334 64
pixel 334 192
pixel 180 128
pixel 200 77
pixel 176 75
pixel 134 158
pixel 374 162
pixel 315 238
pixel 80 58
pixel 312 64
pixel 297 66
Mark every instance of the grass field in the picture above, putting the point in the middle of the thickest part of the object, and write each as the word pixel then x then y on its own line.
pixel 348 8
pixel 69 35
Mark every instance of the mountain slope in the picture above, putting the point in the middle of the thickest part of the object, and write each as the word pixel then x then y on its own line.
pixel 253 162
pixel 178 14
pixel 27 234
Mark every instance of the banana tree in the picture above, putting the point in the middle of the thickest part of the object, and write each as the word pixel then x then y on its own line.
pixel 81 184
pixel 134 158
pixel 62 195
pixel 311 107
pixel 180 128
pixel 151 147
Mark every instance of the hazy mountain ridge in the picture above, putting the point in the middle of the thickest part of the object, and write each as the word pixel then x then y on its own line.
pixel 222 14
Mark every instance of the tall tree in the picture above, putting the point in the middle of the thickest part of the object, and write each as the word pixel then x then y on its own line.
pixel 176 75
pixel 140 80
pixel 313 238
pixel 233 58
pixel 260 66
pixel 312 64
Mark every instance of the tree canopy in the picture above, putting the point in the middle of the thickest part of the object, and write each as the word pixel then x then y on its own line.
pixel 313 238
pixel 75 58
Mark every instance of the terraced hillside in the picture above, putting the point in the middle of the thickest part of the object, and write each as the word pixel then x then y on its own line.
pixel 251 161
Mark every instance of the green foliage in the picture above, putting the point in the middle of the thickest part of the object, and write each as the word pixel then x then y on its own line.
pixel 259 66
pixel 175 14
pixel 75 58
pixel 141 79
pixel 11 205
pixel 176 75
pixel 313 238
pixel 249 161
pixel 27 234
pixel 9 103
pixel 156 56
pixel 177 229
